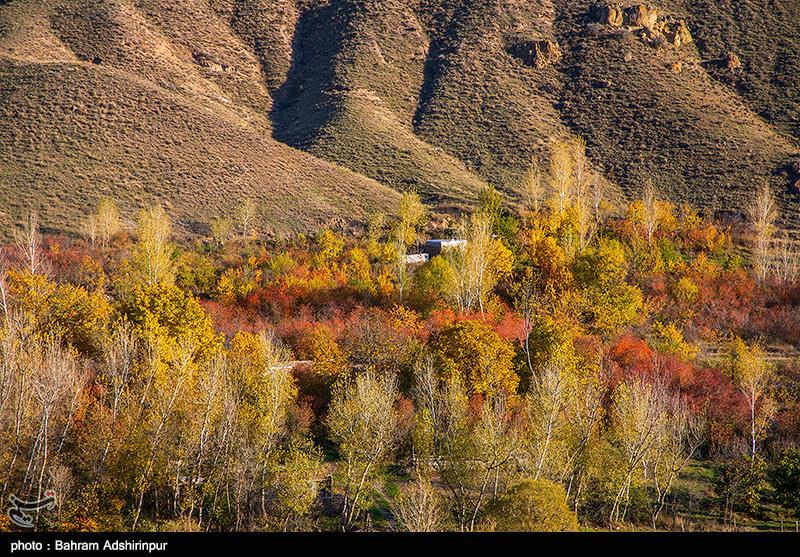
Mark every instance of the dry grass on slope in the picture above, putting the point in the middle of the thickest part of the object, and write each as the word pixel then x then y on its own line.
pixel 438 96
pixel 483 104
pixel 765 35
pixel 352 94
pixel 650 110
pixel 74 133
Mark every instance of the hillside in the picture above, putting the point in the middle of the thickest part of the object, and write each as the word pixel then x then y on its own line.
pixel 324 109
pixel 105 106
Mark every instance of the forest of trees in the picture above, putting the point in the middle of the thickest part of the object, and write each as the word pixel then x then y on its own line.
pixel 569 367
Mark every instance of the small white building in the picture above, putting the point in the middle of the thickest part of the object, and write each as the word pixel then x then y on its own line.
pixel 437 246
pixel 415 258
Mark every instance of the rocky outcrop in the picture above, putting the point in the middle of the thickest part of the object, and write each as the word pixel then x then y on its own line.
pixel 538 53
pixel 794 176
pixel 677 33
pixel 607 14
pixel 645 22
pixel 640 15
pixel 207 60
pixel 732 61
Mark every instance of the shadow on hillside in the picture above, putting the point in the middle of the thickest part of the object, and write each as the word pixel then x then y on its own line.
pixel 305 102
pixel 438 49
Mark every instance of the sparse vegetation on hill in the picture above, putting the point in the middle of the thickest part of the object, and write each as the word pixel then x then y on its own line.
pixel 192 104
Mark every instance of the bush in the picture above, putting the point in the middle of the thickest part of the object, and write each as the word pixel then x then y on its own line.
pixel 740 483
pixel 786 480
pixel 532 506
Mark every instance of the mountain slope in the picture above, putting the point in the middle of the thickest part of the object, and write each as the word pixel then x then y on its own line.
pixel 325 109
pixel 111 105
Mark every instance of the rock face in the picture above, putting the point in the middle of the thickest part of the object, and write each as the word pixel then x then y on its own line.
pixel 652 27
pixel 537 54
pixel 640 15
pixel 677 33
pixel 607 14
pixel 732 61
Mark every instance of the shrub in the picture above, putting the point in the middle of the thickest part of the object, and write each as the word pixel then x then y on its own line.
pixel 532 506
pixel 785 478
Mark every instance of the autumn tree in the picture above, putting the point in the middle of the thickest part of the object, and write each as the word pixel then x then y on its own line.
pixel 151 256
pixel 638 414
pixel 545 411
pixel 267 389
pixel 740 484
pixel 170 372
pixel 751 373
pixel 678 439
pixel 478 265
pixel 581 431
pixel 787 260
pixel 119 358
pixel 649 209
pixel 473 455
pixel 221 229
pixel 561 177
pixel 583 198
pixel 533 189
pixel 57 378
pixel 29 244
pixel 329 248
pixel 245 216
pixel 418 507
pixel 570 184
pixel 320 346
pixel 412 214
pixel 104 223
pixel 762 213
pixel 361 421
pixel 478 356
pixel 295 479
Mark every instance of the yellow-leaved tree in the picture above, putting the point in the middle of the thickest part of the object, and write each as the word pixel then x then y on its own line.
pixel 481 358
pixel 751 373
pixel 151 256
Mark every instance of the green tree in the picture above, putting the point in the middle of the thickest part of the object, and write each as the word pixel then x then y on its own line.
pixel 609 302
pixel 785 478
pixel 740 485
pixel 431 283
